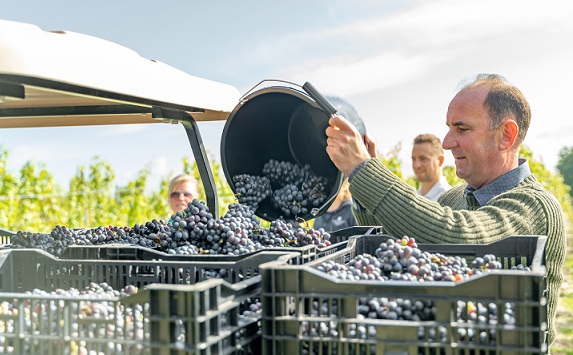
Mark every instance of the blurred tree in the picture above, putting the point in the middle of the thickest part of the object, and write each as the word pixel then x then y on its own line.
pixel 392 160
pixel 132 203
pixel 37 198
pixel 33 201
pixel 158 203
pixel 8 191
pixel 565 166
pixel 450 174
pixel 90 201
pixel 552 182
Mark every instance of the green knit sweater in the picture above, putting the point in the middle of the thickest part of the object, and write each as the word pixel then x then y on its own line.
pixel 526 209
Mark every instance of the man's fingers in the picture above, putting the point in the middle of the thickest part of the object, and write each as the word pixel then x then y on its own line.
pixel 370 145
pixel 340 123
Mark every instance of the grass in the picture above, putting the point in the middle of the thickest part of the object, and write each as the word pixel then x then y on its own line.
pixel 563 344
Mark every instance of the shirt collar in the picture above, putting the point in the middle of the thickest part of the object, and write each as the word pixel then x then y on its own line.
pixel 503 183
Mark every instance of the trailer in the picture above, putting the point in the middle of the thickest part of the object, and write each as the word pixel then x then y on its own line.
pixel 63 79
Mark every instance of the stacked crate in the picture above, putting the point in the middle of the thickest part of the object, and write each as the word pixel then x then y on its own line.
pixel 180 307
pixel 306 311
pixel 185 303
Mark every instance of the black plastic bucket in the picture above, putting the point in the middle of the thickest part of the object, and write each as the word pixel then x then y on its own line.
pixel 284 124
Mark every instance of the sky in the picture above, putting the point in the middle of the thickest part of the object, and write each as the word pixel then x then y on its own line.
pixel 398 62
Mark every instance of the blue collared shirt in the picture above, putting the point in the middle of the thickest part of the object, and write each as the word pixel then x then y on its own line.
pixel 502 184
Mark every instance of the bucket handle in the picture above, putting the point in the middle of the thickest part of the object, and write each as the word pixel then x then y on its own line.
pixel 320 100
pixel 296 86
pixel 307 88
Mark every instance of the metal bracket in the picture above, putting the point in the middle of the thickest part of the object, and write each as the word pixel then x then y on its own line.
pixel 199 154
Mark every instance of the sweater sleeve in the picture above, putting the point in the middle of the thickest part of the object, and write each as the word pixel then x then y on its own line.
pixel 527 209
pixel 396 206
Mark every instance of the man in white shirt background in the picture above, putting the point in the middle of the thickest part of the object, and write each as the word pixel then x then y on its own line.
pixel 427 161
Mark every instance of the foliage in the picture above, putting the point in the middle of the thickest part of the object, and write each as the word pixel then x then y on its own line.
pixel 392 160
pixel 32 201
pixel 565 166
pixel 552 182
pixel 450 174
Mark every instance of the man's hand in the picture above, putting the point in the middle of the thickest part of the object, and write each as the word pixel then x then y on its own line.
pixel 345 145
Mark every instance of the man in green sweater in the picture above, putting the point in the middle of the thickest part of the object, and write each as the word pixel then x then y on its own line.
pixel 487 120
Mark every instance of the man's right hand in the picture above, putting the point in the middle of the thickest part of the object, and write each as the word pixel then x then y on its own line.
pixel 345 145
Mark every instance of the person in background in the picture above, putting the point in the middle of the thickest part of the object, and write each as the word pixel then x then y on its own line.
pixel 487 122
pixel 339 214
pixel 182 190
pixel 427 161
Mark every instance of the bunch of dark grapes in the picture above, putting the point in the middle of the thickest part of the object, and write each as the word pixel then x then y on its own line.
pixel 282 173
pixel 314 190
pixel 138 235
pixel 289 200
pixel 241 222
pixel 251 190
pixel 54 243
pixel 293 190
pixel 193 230
pixel 296 190
pixel 401 259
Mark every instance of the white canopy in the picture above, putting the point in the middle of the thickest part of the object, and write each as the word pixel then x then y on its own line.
pixel 62 78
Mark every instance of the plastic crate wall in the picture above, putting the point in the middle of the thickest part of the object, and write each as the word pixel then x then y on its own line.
pixel 297 298
pixel 200 316
pixel 5 236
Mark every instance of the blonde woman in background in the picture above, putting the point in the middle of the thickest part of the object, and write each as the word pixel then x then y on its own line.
pixel 182 190
pixel 339 214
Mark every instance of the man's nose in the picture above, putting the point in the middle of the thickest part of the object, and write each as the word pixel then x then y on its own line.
pixel 448 142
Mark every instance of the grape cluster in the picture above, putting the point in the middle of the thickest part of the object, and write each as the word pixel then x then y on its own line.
pixel 54 243
pixel 193 230
pixel 251 190
pixel 281 173
pixel 238 232
pixel 292 189
pixel 403 260
pixel 60 237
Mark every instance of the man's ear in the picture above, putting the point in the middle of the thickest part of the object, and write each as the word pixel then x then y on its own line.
pixel 508 134
pixel 441 159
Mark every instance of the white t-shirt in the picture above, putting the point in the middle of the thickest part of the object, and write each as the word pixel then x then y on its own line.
pixel 437 190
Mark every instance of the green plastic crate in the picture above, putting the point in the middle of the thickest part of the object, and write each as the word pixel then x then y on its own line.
pixel 170 314
pixel 5 236
pixel 290 295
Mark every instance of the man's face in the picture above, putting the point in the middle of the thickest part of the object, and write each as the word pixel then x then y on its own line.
pixel 473 143
pixel 426 163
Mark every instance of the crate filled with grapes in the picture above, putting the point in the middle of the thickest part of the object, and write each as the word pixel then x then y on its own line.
pixel 50 305
pixel 192 234
pixel 122 251
pixel 383 295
